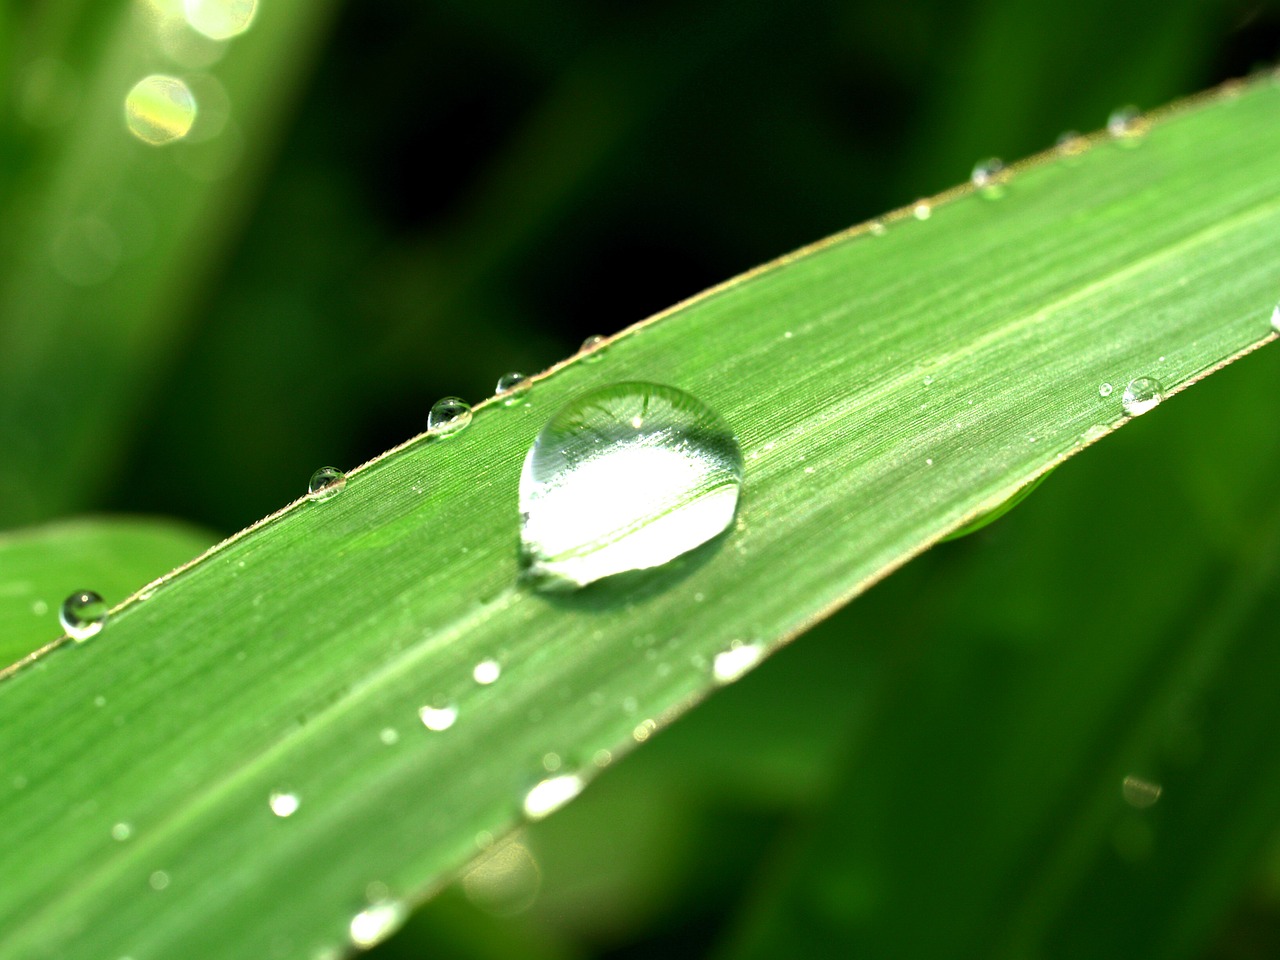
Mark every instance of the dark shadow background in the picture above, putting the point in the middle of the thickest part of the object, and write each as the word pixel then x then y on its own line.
pixel 473 186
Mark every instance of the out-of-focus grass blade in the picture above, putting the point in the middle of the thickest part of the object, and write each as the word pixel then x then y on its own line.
pixel 113 557
pixel 107 240
pixel 1076 758
pixel 887 386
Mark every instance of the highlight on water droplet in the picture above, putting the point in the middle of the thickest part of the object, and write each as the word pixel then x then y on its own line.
pixel 1140 793
pixel 83 615
pixel 325 483
pixel 626 477
pixel 284 803
pixel 989 177
pixel 376 922
pixel 220 19
pixel 731 664
pixel 1275 318
pixel 1142 394
pixel 1104 390
pixel 438 718
pixel 1127 125
pixel 159 109
pixel 551 794
pixel 486 672
pixel 923 210
pixel 513 388
pixel 448 416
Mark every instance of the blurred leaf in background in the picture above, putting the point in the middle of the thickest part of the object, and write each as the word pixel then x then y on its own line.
pixel 384 202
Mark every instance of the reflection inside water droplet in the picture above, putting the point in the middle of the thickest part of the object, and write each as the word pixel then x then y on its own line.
pixel 448 416
pixel 160 109
pixel 486 671
pixel 593 348
pixel 988 178
pixel 83 615
pixel 626 477
pixel 1104 390
pixel 325 483
pixel 1141 395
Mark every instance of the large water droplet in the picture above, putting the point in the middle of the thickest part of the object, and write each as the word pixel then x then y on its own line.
pixel 550 795
pixel 83 615
pixel 623 478
pixel 159 109
pixel 1141 395
pixel 448 416
pixel 376 922
pixel 325 483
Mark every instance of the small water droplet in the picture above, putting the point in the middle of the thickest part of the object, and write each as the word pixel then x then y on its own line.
pixel 1127 125
pixel 513 388
pixel 989 178
pixel 39 608
pixel 923 210
pixel 284 803
pixel 122 831
pixel 376 922
pixel 486 671
pixel 159 880
pixel 448 416
pixel 1141 395
pixel 159 109
pixel 1104 390
pixel 551 794
pixel 1071 144
pixel 325 483
pixel 593 349
pixel 627 477
pixel 438 718
pixel 1140 793
pixel 220 19
pixel 1275 318
pixel 551 762
pixel 83 615
pixel 389 736
pixel 731 664
pixel 877 228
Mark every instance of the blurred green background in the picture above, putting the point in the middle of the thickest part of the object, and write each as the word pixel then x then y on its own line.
pixel 384 202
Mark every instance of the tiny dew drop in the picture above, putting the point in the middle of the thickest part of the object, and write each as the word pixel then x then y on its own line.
pixel 1127 125
pixel 877 228
pixel 551 794
pixel 512 387
pixel 731 664
pixel 375 923
pixel 122 831
pixel 989 177
pixel 448 416
pixel 593 348
pixel 325 483
pixel 626 477
pixel 923 210
pixel 83 615
pixel 284 803
pixel 1070 144
pixel 1141 395
pixel 1104 390
pixel 438 718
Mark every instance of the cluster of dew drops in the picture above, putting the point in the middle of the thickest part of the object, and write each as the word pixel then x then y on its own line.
pixel 83 615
